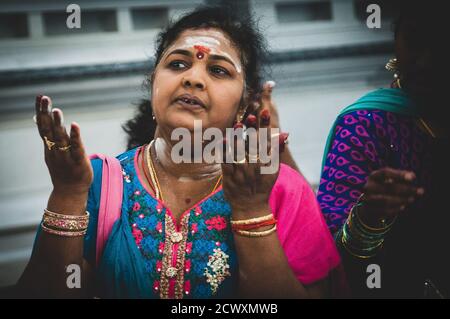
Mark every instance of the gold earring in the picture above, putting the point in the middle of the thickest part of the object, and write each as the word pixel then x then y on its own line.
pixel 238 122
pixel 392 66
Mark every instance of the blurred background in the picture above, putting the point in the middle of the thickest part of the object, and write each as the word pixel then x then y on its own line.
pixel 323 57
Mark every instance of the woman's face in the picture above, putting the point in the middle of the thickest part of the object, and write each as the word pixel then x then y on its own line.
pixel 199 77
pixel 416 58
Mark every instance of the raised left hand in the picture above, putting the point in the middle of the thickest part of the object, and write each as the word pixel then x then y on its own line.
pixel 246 189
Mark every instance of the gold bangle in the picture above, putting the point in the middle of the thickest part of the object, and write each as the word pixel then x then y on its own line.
pixel 65 224
pixel 386 227
pixel 356 255
pixel 256 234
pixel 252 220
pixel 63 233
pixel 67 217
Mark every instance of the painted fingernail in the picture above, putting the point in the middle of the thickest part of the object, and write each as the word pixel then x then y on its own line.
pixel 271 84
pixel 44 102
pixel 265 117
pixel 238 125
pixel 420 191
pixel 283 140
pixel 60 113
pixel 251 120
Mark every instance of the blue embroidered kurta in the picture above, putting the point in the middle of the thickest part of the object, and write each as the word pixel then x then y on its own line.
pixel 149 255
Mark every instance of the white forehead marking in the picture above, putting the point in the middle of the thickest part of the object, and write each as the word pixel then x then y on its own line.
pixel 198 40
pixel 211 43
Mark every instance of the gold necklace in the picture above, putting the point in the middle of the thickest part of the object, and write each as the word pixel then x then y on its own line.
pixel 154 176
pixel 427 127
pixel 217 184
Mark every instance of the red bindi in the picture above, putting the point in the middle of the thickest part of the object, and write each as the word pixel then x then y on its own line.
pixel 201 51
pixel 200 55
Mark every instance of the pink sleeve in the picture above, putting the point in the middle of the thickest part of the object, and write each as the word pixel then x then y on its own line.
pixel 301 228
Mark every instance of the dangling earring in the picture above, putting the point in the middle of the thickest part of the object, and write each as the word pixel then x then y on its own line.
pixel 392 66
pixel 238 122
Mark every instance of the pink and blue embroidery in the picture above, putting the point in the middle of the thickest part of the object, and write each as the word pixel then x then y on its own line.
pixel 196 259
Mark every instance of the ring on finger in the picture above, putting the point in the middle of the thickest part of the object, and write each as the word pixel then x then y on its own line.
pixel 64 148
pixel 49 143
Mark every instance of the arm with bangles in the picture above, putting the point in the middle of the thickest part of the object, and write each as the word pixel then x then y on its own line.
pixel 46 275
pixel 355 165
pixel 71 174
pixel 264 271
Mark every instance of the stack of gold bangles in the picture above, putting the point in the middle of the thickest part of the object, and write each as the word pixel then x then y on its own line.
pixel 244 227
pixel 361 240
pixel 65 225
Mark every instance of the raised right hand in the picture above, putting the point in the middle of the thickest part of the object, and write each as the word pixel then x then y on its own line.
pixel 70 171
pixel 387 193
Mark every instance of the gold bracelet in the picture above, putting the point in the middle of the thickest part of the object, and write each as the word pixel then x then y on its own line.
pixel 63 233
pixel 61 216
pixel 63 224
pixel 256 234
pixel 372 229
pixel 356 255
pixel 252 220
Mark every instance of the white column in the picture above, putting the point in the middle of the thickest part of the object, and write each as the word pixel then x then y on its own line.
pixel 35 24
pixel 124 23
pixel 343 11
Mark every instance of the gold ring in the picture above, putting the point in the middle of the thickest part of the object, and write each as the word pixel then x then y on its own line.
pixel 64 148
pixel 49 143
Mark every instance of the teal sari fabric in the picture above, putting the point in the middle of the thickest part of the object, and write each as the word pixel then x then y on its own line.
pixel 389 100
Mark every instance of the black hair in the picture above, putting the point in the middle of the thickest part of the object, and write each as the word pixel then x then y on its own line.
pixel 420 26
pixel 243 33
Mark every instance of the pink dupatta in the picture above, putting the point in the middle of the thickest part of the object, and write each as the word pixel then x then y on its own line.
pixel 110 200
